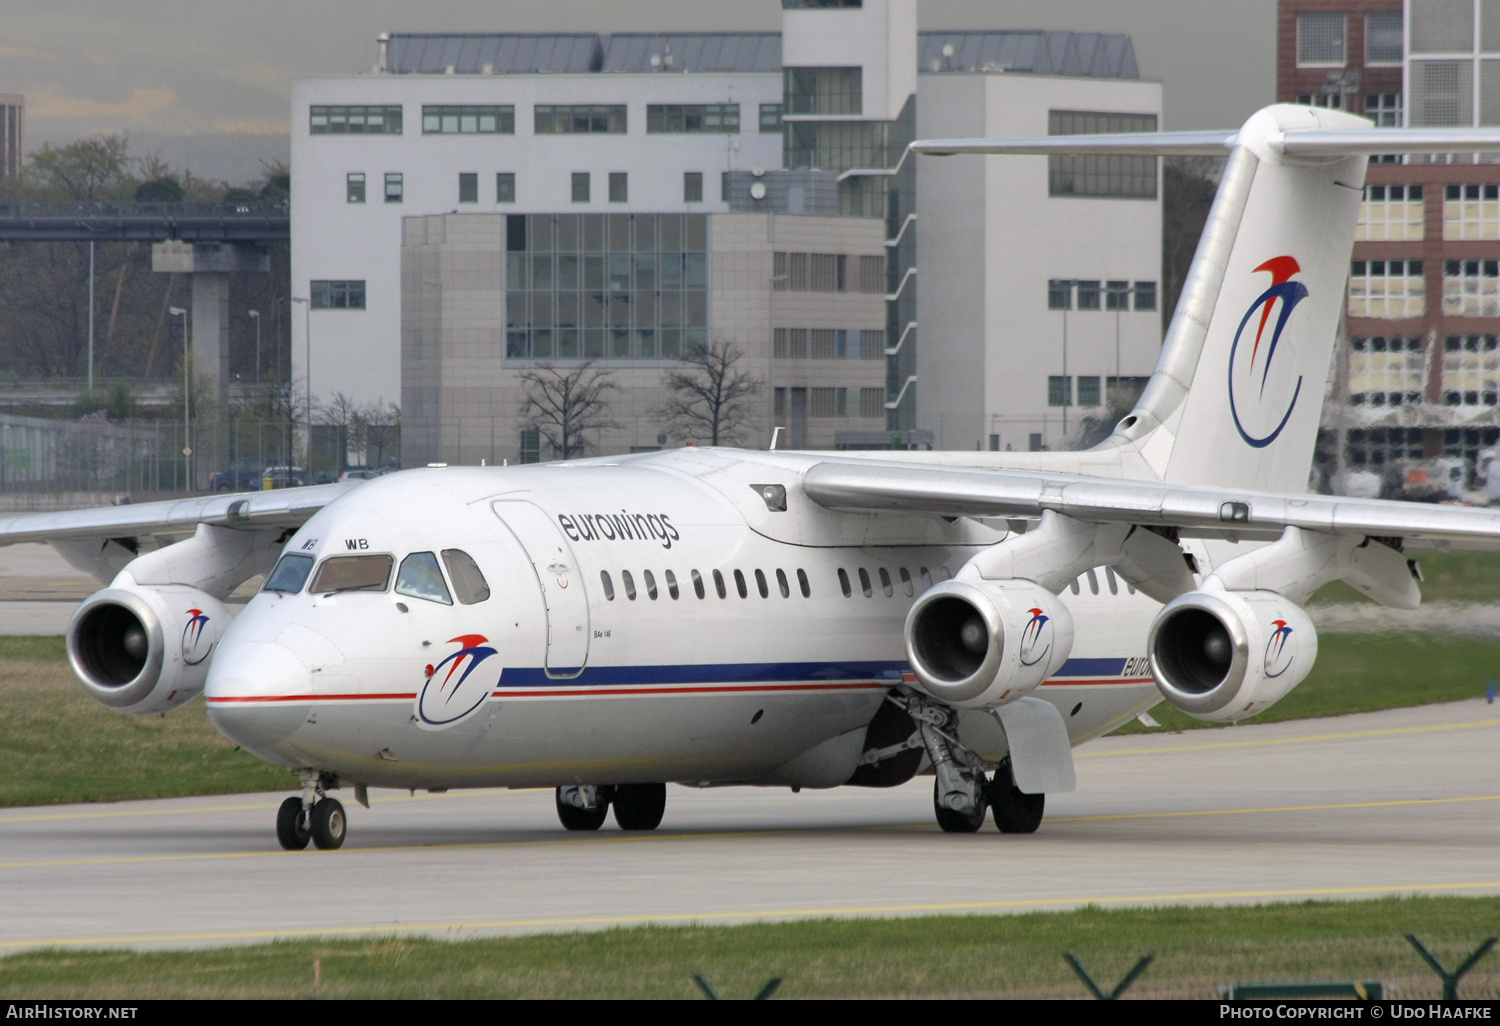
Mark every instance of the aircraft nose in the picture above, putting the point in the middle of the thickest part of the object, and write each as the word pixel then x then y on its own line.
pixel 258 694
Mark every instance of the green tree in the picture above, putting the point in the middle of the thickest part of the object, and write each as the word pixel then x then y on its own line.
pixel 89 169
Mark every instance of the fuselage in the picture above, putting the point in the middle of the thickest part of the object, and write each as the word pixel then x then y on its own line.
pixel 654 618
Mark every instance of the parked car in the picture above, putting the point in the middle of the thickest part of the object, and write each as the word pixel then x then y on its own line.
pixel 360 474
pixel 243 475
pixel 283 477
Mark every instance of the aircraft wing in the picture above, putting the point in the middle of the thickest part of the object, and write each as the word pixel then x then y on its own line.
pixel 877 487
pixel 283 508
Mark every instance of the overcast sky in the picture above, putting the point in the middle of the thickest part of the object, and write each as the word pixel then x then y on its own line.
pixel 208 82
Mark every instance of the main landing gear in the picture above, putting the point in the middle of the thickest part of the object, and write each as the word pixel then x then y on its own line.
pixel 637 806
pixel 311 817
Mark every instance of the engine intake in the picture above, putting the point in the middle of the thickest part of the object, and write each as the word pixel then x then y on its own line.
pixel 145 650
pixel 978 644
pixel 1224 655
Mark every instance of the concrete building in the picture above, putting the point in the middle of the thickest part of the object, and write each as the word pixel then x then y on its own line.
pixel 1417 376
pixel 12 134
pixel 436 199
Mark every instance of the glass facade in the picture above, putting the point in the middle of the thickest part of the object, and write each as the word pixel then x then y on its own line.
pixel 355 120
pixel 605 286
pixel 577 119
pixel 494 120
pixel 696 118
pixel 823 90
pixel 1129 177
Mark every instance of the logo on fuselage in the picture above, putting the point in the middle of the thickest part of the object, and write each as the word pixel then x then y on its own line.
pixel 1259 404
pixel 1036 638
pixel 453 688
pixel 1280 649
pixel 194 650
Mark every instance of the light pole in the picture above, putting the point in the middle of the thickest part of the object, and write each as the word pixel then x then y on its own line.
pixel 254 315
pixel 187 383
pixel 307 370
pixel 91 317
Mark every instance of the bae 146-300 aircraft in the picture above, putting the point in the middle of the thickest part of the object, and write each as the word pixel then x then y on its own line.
pixel 717 616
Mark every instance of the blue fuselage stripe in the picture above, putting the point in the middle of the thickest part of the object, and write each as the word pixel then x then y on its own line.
pixel 1092 668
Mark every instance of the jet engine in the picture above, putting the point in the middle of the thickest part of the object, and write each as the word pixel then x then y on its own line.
pixel 978 643
pixel 1225 655
pixel 145 650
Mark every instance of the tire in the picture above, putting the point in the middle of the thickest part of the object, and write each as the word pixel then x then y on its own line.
pixel 1015 813
pixel 289 829
pixel 640 806
pixel 954 822
pixel 574 818
pixel 329 824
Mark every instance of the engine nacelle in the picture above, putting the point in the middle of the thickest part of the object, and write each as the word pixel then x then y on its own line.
pixel 1225 655
pixel 145 650
pixel 979 644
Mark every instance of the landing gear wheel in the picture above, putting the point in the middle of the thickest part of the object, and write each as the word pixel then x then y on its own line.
pixel 328 824
pixel 954 822
pixel 290 828
pixel 1015 813
pixel 574 818
pixel 640 806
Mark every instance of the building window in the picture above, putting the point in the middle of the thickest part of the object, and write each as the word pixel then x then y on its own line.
pixel 1059 294
pixel 338 295
pixel 1332 101
pixel 1387 288
pixel 1145 295
pixel 531 445
pixel 355 120
pixel 1088 295
pixel 1471 212
pixel 1441 93
pixel 1059 390
pixel 872 402
pixel 580 186
pixel 469 120
pixel 778 409
pixel 692 187
pixel 1117 295
pixel 1391 213
pixel 1373 448
pixel 1442 26
pixel 770 119
pixel 872 345
pixel 395 187
pixel 824 344
pixel 693 118
pixel 606 286
pixel 1383 39
pixel 1471 370
pixel 1088 391
pixel 1321 40
pixel 1128 177
pixel 723 186
pixel 824 272
pixel 823 402
pixel 505 186
pixel 1386 371
pixel 872 274
pixel 618 187
pixel 354 188
pixel 798 265
pixel 578 119
pixel 468 187
pixel 1471 288
pixel 1384 109
pixel 822 90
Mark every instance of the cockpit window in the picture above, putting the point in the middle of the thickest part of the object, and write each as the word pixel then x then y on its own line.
pixel 290 574
pixel 421 578
pixel 468 582
pixel 352 573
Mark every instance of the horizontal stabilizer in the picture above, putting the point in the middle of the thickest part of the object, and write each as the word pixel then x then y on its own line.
pixel 1308 143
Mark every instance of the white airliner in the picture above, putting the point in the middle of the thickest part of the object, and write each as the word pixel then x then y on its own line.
pixel 718 616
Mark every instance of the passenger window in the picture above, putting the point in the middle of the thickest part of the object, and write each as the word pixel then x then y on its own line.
pixel 698 583
pixel 290 574
pixel 609 586
pixel 650 585
pixel 1109 576
pixel 1093 582
pixel 906 583
pixel 926 578
pixel 1073 586
pixel 468 583
pixel 760 584
pixel 806 587
pixel 629 584
pixel 844 583
pixel 353 573
pixel 719 585
pixel 786 589
pixel 944 574
pixel 885 582
pixel 864 582
pixel 420 577
pixel 672 585
pixel 739 584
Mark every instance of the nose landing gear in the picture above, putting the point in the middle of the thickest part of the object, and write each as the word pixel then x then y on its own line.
pixel 312 817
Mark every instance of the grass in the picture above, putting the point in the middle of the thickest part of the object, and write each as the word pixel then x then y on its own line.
pixel 945 956
pixel 1446 577
pixel 58 745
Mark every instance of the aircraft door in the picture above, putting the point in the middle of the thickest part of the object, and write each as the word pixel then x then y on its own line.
pixel 561 582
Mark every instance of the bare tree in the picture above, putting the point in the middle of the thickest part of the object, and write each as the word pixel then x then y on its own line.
pixel 710 399
pixel 382 433
pixel 567 404
pixel 348 418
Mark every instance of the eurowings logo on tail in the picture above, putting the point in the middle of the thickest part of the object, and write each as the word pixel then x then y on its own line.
pixel 1259 403
pixel 1036 639
pixel 193 649
pixel 1279 649
pixel 447 697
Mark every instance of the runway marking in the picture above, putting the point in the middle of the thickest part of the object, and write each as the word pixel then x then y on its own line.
pixel 702 835
pixel 1289 740
pixel 387 929
pixel 480 793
